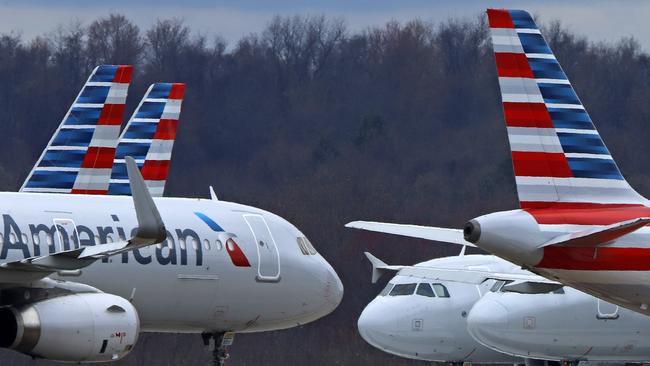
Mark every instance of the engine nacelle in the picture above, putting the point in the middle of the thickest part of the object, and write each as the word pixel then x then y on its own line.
pixel 88 327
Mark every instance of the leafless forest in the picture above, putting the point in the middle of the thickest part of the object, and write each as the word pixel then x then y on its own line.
pixel 323 126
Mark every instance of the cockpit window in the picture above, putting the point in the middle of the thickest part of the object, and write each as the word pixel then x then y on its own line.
pixel 424 289
pixel 305 246
pixel 440 290
pixel 386 289
pixel 559 291
pixel 310 247
pixel 403 289
pixel 302 246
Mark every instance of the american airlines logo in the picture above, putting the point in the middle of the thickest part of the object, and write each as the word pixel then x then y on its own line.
pixel 59 236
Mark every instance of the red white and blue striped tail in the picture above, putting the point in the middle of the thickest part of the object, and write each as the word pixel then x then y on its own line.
pixel 558 156
pixel 149 138
pixel 79 157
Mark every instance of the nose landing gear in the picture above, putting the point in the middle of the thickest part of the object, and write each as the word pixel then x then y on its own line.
pixel 220 344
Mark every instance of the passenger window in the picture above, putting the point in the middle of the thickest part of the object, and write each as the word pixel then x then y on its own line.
pixel 424 289
pixel 25 239
pixel 440 290
pixel 206 244
pixel 403 289
pixel 386 289
pixel 181 243
pixel 218 244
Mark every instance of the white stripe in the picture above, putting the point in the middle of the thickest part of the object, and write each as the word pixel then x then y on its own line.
pixel 77 127
pixel 88 105
pixel 56 169
pixel 528 30
pixel 100 83
pixel 136 141
pixel 506 40
pixel 549 56
pixel 47 190
pixel 147 120
pixel 522 98
pixel 534 139
pixel 591 156
pixel 119 181
pixel 553 81
pixel 160 156
pixel 573 182
pixel 575 130
pixel 122 161
pixel 566 106
pixel 70 148
pixel 156 100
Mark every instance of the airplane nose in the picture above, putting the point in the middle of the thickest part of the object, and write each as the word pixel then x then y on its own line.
pixel 487 319
pixel 373 325
pixel 333 287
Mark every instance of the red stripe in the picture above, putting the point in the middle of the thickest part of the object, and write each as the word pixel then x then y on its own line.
pixel 99 157
pixel 583 214
pixel 166 129
pixel 513 65
pixel 499 18
pixel 527 115
pixel 178 91
pixel 123 74
pixel 89 191
pixel 155 169
pixel 540 164
pixel 596 259
pixel 111 115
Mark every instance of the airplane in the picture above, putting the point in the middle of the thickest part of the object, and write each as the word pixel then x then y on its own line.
pixel 579 221
pixel 564 324
pixel 458 309
pixel 81 275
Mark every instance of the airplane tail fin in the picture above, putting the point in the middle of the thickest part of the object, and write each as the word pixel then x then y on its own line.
pixel 558 156
pixel 149 138
pixel 79 157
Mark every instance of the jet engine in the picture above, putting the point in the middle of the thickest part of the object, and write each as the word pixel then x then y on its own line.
pixel 87 327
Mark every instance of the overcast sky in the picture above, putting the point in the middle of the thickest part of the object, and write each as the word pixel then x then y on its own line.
pixel 231 19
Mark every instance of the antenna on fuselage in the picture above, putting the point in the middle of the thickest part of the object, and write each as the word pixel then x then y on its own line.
pixel 462 251
pixel 213 196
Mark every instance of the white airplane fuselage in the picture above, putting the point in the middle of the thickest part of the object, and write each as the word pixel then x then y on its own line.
pixel 569 325
pixel 432 328
pixel 241 269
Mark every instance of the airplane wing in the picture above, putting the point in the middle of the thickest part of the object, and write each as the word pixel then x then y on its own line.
pixel 453 236
pixel 517 282
pixel 600 235
pixel 151 230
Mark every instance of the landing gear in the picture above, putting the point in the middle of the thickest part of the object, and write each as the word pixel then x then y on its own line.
pixel 220 343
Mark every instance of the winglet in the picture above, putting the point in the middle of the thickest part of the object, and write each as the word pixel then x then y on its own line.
pixel 379 267
pixel 151 228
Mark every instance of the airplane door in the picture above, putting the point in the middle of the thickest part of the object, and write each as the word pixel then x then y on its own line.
pixel 607 310
pixel 268 264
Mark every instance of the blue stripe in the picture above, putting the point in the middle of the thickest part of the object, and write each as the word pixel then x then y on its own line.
pixel 83 116
pixel 93 94
pixel 136 150
pixel 558 93
pixel 582 143
pixel 104 73
pixel 160 90
pixel 119 189
pixel 63 158
pixel 76 137
pixel 534 43
pixel 141 130
pixel 119 170
pixel 150 110
pixel 594 168
pixel 571 118
pixel 522 19
pixel 211 223
pixel 544 68
pixel 48 179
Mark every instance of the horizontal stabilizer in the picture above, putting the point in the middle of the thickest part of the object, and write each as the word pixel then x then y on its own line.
pixel 453 236
pixel 530 287
pixel 379 267
pixel 469 276
pixel 600 235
